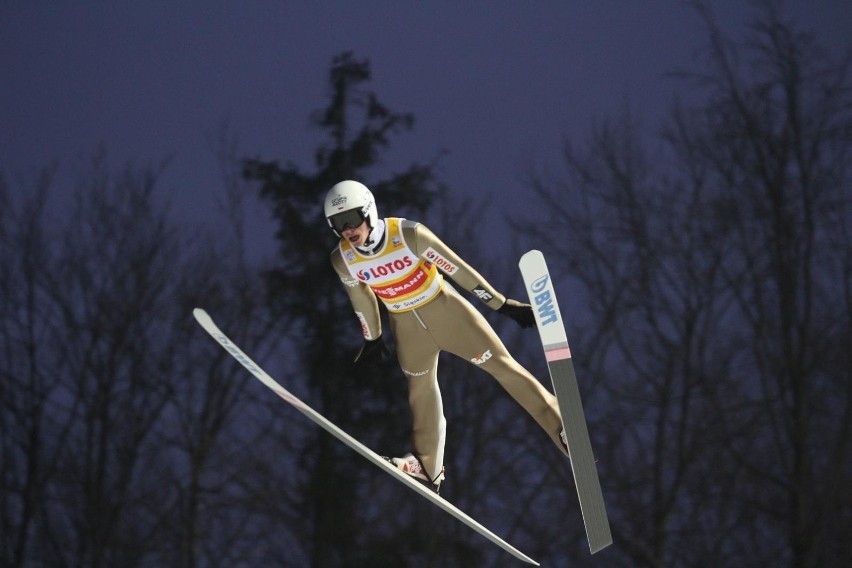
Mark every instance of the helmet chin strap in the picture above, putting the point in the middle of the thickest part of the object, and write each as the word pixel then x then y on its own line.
pixel 374 239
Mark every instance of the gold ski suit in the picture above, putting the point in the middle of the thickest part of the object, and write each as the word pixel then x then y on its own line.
pixel 428 316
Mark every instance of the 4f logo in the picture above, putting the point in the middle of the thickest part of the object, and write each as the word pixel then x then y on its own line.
pixel 482 294
pixel 543 300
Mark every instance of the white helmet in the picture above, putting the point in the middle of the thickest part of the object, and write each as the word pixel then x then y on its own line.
pixel 348 204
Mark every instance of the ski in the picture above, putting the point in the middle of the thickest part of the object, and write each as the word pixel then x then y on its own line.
pixel 555 342
pixel 210 327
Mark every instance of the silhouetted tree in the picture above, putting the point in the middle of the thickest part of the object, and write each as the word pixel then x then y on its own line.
pixel 776 140
pixel 305 292
pixel 124 433
pixel 717 275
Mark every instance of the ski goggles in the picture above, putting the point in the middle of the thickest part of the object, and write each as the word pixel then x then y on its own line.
pixel 349 219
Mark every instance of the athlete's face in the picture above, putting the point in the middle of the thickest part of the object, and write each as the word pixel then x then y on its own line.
pixel 357 236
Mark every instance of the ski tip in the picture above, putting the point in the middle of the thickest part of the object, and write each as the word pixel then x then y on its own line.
pixel 530 255
pixel 201 316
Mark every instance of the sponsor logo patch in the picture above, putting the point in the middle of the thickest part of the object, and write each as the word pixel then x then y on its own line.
pixel 480 359
pixel 442 263
pixel 415 373
pixel 365 329
pixel 366 274
pixel 482 294
pixel 410 284
pixel 543 300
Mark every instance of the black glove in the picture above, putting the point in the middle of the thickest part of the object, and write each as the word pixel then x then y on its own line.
pixel 373 352
pixel 521 313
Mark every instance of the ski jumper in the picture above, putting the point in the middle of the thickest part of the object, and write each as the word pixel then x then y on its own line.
pixel 427 316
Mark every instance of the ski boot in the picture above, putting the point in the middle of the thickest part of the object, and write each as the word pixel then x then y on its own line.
pixel 412 466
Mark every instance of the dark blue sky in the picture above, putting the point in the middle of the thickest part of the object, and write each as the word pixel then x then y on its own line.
pixel 497 84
